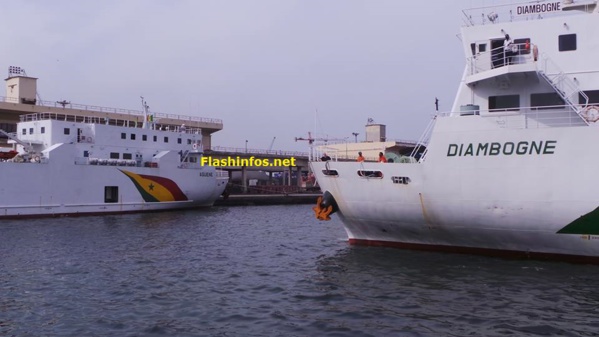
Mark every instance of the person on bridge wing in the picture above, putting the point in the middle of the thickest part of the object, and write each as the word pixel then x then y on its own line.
pixel 382 158
pixel 509 49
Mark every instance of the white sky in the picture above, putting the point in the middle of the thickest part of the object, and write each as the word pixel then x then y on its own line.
pixel 267 68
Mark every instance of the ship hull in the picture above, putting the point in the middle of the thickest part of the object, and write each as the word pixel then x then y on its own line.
pixel 507 203
pixel 55 189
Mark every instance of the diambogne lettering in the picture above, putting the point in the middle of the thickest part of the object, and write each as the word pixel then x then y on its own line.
pixel 506 149
pixel 539 8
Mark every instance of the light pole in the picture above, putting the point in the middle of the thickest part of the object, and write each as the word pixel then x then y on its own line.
pixel 355 136
pixel 246 146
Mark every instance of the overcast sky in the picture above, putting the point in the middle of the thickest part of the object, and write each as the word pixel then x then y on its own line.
pixel 267 68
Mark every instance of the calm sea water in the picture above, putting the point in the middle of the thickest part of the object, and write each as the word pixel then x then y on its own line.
pixel 269 271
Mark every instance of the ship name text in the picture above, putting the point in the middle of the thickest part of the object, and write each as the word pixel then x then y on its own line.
pixel 507 149
pixel 539 8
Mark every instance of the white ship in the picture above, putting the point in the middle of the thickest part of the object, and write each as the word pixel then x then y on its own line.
pixel 76 165
pixel 512 169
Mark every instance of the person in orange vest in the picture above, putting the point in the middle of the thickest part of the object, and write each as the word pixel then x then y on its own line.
pixel 360 157
pixel 382 158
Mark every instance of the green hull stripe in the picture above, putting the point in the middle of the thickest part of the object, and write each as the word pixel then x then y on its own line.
pixel 147 196
pixel 586 224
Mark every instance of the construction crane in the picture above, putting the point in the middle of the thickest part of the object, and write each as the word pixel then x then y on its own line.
pixel 272 143
pixel 311 140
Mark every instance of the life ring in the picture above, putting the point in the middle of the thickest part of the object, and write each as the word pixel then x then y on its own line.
pixel 590 113
pixel 195 146
pixel 89 139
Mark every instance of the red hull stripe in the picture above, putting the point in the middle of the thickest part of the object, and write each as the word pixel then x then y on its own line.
pixel 170 185
pixel 480 251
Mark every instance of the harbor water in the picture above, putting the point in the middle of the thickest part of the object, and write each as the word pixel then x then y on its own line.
pixel 269 271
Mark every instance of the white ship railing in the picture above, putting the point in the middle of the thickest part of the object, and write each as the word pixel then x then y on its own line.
pixel 524 11
pixel 103 120
pixel 532 117
pixel 244 151
pixel 94 108
pixel 496 58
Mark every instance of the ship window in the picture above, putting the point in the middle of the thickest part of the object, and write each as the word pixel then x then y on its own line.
pixel 330 173
pixel 132 136
pixel 24 131
pixel 30 131
pixel 400 180
pixel 123 135
pixel 189 142
pixel 550 100
pixel 473 47
pixel 111 194
pixel 567 42
pixel 43 129
pixel 144 137
pixel 593 96
pixel 114 155
pixel 178 140
pixel 166 139
pixel 127 156
pixel 155 138
pixel 67 131
pixel 482 47
pixel 504 103
pixel 370 174
pixel 85 154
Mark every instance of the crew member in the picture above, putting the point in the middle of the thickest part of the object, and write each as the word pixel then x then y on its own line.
pixel 360 157
pixel 382 158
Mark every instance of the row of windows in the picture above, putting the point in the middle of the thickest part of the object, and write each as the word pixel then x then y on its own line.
pixel 544 100
pixel 154 138
pixel 566 42
pixel 129 156
pixel 42 130
pixel 67 131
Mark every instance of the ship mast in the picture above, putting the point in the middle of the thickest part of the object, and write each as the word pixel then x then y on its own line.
pixel 148 118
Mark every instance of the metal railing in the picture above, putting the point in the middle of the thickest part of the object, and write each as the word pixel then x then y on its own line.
pixel 244 151
pixel 524 11
pixel 565 86
pixel 532 117
pixel 95 108
pixel 497 58
pixel 108 121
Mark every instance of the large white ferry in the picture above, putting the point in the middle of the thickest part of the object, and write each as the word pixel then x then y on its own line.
pixel 66 164
pixel 512 169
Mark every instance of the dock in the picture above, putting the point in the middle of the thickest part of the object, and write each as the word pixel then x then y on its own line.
pixel 267 199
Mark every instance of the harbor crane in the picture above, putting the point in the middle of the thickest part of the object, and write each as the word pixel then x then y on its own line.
pixel 311 139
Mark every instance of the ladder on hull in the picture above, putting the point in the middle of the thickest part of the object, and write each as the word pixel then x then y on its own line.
pixel 564 86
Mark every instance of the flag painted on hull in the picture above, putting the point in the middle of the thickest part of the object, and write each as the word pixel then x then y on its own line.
pixel 156 189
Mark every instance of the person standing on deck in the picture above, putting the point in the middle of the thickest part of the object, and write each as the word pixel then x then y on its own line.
pixel 360 157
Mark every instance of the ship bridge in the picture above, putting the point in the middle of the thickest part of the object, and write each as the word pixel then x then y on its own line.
pixel 538 55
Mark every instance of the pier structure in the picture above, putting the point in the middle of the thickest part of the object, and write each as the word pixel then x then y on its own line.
pixel 22 99
pixel 242 155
